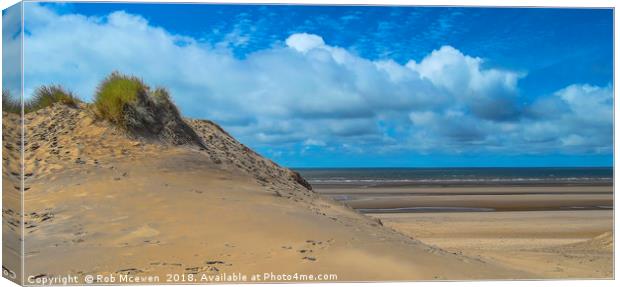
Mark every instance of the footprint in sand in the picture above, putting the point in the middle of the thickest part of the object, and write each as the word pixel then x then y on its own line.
pixel 129 271
pixel 138 235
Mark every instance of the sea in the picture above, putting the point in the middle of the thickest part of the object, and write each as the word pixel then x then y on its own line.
pixel 458 176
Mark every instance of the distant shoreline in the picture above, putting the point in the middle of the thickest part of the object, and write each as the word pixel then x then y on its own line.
pixel 459 184
pixel 451 167
pixel 457 177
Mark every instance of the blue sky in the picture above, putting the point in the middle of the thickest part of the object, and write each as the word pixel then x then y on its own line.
pixel 355 86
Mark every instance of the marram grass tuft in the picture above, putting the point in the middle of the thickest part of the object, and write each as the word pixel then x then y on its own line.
pixel 114 93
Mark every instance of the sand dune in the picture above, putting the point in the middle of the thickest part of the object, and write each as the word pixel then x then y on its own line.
pixel 100 201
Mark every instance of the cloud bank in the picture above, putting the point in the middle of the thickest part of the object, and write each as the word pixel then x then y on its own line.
pixel 303 93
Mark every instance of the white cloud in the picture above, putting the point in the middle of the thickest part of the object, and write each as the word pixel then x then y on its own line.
pixel 590 104
pixel 578 117
pixel 488 93
pixel 304 42
pixel 309 92
pixel 575 119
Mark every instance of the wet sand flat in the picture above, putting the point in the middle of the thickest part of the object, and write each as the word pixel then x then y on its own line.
pixel 500 198
pixel 549 231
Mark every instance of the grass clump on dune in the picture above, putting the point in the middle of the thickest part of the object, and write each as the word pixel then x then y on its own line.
pixel 43 97
pixel 161 97
pixel 115 93
pixel 46 96
pixel 10 104
pixel 131 105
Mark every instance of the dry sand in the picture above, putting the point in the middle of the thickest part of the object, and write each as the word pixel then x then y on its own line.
pixel 546 231
pixel 100 202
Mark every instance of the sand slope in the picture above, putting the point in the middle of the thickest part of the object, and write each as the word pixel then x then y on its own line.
pixel 11 200
pixel 99 201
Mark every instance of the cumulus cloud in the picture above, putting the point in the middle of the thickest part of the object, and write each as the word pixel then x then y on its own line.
pixel 578 118
pixel 487 93
pixel 304 42
pixel 304 92
pixel 575 119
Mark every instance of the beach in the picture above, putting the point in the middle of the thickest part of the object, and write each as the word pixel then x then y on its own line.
pixel 549 231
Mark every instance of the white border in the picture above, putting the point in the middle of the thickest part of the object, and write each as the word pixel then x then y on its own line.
pixel 496 3
pixel 476 3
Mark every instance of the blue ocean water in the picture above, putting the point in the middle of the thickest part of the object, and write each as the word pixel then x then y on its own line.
pixel 458 176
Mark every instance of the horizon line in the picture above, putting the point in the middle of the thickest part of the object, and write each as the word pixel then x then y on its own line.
pixel 438 167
